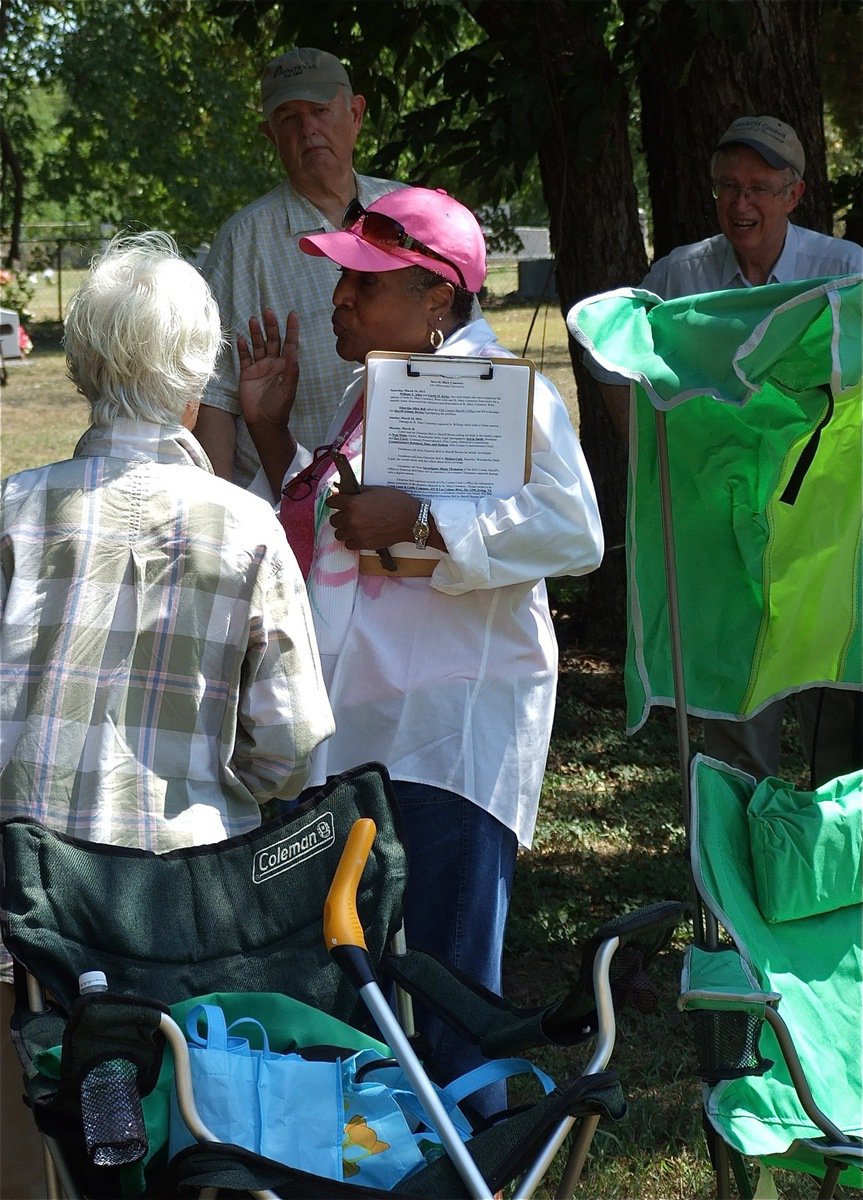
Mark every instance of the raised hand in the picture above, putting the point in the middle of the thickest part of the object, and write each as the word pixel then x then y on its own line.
pixel 269 370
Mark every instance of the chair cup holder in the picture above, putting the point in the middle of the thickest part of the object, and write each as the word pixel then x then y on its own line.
pixel 726 1044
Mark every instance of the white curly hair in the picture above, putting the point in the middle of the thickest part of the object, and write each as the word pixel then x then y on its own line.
pixel 142 334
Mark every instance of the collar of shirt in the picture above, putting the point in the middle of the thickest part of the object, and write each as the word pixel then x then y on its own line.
pixel 473 340
pixel 303 217
pixel 140 441
pixel 784 270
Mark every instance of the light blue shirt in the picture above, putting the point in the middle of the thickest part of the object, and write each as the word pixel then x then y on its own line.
pixel 712 266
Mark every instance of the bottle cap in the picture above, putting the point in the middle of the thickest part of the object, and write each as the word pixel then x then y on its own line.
pixel 92 981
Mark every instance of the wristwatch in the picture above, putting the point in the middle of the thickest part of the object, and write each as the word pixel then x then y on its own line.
pixel 421 529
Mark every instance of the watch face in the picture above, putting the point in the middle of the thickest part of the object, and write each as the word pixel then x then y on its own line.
pixel 421 528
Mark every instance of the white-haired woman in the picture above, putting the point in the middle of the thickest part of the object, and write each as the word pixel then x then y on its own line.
pixel 160 678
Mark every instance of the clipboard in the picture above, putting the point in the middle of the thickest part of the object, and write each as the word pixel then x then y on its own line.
pixel 445 426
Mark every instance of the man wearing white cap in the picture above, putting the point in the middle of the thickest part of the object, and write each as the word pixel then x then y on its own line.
pixel 757 172
pixel 313 118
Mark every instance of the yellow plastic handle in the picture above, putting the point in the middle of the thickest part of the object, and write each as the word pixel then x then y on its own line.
pixel 341 923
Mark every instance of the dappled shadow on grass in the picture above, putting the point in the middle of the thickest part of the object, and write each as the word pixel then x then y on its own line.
pixel 610 830
pixel 610 838
pixel 575 890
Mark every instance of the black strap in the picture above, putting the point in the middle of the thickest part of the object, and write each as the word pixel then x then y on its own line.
pixel 804 462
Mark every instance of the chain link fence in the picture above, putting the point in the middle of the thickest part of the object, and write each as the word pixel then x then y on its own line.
pixel 35 283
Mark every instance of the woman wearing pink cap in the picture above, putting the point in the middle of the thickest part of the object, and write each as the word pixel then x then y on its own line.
pixel 447 678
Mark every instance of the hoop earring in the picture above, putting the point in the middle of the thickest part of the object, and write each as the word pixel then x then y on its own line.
pixel 436 338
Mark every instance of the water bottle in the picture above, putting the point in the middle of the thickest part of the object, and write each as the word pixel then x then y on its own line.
pixel 110 1105
pixel 92 981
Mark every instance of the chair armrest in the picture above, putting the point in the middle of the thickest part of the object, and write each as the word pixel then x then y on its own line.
pixel 625 946
pixel 798 1078
pixel 719 980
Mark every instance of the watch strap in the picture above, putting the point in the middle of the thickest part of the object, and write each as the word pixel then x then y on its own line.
pixel 421 527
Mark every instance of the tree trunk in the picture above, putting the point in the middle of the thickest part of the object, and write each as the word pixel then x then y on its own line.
pixel 694 83
pixel 12 163
pixel 587 178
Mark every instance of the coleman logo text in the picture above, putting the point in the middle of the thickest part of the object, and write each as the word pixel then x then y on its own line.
pixel 318 835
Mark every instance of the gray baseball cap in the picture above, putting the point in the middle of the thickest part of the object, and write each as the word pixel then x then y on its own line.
pixel 776 142
pixel 302 74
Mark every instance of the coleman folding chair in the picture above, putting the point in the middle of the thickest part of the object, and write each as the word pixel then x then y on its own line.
pixel 245 916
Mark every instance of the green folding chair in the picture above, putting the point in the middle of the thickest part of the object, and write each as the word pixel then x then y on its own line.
pixel 778 1009
pixel 744 567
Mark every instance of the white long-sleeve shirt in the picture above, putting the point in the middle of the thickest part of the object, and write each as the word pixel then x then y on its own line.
pixel 450 680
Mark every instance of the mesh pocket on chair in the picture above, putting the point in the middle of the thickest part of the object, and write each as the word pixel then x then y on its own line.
pixel 111 1114
pixel 726 1044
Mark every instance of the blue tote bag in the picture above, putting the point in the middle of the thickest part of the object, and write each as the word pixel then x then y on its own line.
pixel 388 1134
pixel 252 1097
pixel 356 1119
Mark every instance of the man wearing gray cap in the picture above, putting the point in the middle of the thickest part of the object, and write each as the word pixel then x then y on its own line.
pixel 313 118
pixel 757 173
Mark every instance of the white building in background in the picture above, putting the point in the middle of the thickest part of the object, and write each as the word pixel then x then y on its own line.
pixel 535 261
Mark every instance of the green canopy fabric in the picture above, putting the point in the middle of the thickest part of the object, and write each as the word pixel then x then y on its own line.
pixel 766 488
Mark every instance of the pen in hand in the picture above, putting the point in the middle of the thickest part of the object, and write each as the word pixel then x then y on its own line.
pixel 350 486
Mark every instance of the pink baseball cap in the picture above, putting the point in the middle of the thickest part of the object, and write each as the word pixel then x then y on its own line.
pixel 425 228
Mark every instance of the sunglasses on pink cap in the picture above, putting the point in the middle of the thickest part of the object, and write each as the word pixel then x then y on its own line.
pixel 386 232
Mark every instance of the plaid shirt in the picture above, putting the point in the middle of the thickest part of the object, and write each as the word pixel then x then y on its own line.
pixel 256 263
pixel 159 672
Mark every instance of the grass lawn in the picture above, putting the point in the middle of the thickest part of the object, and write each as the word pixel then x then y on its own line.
pixel 610 834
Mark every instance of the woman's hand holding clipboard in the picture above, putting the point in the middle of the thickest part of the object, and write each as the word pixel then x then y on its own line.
pixel 349 484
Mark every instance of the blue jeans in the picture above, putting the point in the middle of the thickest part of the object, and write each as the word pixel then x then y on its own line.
pixel 461 862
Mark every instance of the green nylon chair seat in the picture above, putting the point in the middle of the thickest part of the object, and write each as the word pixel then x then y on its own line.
pixel 815 964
